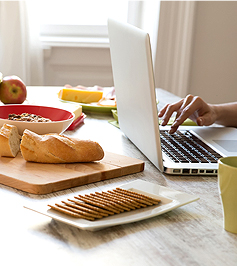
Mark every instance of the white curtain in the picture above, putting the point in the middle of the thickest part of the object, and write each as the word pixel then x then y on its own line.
pixel 145 15
pixel 175 44
pixel 20 49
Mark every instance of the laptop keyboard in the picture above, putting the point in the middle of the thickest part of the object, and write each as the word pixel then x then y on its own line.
pixel 184 147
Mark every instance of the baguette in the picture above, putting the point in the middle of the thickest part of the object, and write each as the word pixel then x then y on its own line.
pixel 55 148
pixel 9 141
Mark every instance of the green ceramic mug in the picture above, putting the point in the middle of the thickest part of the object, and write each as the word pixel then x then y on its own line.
pixel 227 181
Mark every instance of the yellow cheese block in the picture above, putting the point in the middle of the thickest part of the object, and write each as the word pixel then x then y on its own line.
pixel 80 96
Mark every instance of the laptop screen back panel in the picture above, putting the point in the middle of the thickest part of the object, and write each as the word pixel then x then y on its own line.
pixel 136 102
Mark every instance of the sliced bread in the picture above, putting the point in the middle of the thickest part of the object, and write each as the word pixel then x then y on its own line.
pixel 9 141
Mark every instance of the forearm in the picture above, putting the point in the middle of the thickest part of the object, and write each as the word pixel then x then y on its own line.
pixel 226 114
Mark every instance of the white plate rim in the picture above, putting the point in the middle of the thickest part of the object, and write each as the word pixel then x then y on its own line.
pixel 173 199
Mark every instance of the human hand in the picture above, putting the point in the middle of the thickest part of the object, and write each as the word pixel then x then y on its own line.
pixel 192 107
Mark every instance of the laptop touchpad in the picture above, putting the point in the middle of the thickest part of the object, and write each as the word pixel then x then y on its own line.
pixel 228 145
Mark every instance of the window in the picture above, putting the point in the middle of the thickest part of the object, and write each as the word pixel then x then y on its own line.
pixel 84 23
pixel 81 12
pixel 61 20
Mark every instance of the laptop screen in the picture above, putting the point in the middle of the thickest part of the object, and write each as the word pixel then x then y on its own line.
pixel 135 89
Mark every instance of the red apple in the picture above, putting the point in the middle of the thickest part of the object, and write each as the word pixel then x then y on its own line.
pixel 12 90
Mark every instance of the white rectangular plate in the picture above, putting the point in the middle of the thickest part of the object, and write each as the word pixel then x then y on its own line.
pixel 170 199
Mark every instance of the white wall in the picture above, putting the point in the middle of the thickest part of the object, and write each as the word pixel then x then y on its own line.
pixel 214 59
pixel 77 66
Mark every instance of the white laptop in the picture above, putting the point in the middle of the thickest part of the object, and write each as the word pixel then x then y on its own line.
pixel 138 115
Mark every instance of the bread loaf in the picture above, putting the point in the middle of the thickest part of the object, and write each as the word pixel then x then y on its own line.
pixel 9 141
pixel 55 148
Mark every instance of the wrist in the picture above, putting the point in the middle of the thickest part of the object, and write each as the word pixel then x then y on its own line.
pixel 216 112
pixel 221 113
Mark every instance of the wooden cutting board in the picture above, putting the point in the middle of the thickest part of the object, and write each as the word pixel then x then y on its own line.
pixel 37 178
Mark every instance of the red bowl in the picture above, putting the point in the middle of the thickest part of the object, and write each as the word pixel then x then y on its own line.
pixel 54 114
pixel 61 119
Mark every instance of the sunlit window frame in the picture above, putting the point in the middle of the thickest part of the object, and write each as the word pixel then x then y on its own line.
pixel 83 35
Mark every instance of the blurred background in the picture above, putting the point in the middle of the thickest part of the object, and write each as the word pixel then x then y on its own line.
pixel 194 43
